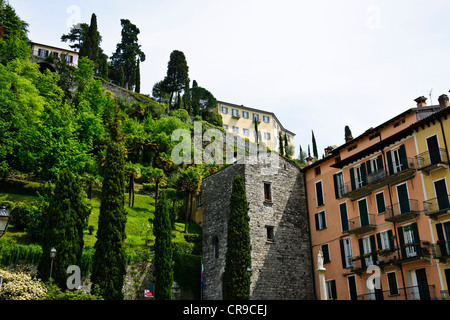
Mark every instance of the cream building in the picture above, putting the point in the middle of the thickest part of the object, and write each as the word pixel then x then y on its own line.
pixel 240 120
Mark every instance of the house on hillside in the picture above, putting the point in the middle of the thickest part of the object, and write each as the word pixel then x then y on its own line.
pixel 44 55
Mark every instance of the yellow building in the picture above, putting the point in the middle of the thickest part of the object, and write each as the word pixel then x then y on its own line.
pixel 240 120
pixel 432 136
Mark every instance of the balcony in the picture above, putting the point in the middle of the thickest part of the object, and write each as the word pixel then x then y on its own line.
pixel 383 177
pixel 437 207
pixel 430 161
pixel 403 211
pixel 358 226
pixel 441 250
pixel 408 293
pixel 409 252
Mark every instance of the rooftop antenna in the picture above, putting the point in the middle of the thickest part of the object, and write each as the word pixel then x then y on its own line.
pixel 431 100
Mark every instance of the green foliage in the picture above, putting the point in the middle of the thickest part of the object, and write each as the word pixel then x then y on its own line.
pixel 187 272
pixel 163 260
pixel 63 225
pixel 12 253
pixel 238 255
pixel 55 293
pixel 21 286
pixel 109 259
pixel 126 55
pixel 177 77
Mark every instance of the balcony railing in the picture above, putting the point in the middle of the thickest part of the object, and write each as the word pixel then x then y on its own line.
pixel 403 211
pixel 437 206
pixel 375 180
pixel 441 249
pixel 408 293
pixel 360 225
pixel 431 160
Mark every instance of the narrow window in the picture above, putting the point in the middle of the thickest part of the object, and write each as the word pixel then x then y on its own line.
pixel 267 192
pixel 216 247
pixel 319 194
pixel 270 233
pixel 320 220
pixel 392 281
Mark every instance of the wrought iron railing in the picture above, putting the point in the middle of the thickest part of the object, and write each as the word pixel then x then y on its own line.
pixel 437 204
pixel 429 158
pixel 427 292
pixel 403 207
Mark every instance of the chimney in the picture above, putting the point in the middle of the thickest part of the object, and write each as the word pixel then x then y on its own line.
pixel 328 151
pixel 444 101
pixel 421 101
pixel 348 134
pixel 309 161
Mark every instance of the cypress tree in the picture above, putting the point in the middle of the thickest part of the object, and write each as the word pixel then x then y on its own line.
pixel 315 152
pixel 280 143
pixel 138 77
pixel 238 255
pixel 90 47
pixel 63 224
pixel 163 260
pixel 109 259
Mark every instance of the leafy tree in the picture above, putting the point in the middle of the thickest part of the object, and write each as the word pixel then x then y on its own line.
pixel 133 172
pixel 127 52
pixel 238 255
pixel 302 156
pixel 159 94
pixel 109 265
pixel 76 36
pixel 157 176
pixel 177 77
pixel 14 42
pixel 199 101
pixel 63 225
pixel 163 260
pixel 189 181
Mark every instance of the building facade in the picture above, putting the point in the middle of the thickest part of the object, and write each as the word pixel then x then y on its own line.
pixel 240 120
pixel 432 136
pixel 279 231
pixel 366 207
pixel 40 53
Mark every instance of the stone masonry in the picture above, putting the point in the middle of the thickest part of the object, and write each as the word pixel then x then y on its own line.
pixel 279 231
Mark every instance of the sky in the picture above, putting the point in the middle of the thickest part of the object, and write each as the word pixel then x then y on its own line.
pixel 318 65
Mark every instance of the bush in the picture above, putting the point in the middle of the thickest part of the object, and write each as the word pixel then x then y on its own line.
pixel 55 293
pixel 21 215
pixel 20 286
pixel 12 253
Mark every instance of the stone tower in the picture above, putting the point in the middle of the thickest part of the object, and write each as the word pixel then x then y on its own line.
pixel 279 230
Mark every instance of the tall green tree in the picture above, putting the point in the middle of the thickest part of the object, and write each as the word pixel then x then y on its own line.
pixel 177 77
pixel 314 144
pixel 163 260
pixel 14 42
pixel 138 77
pixel 109 259
pixel 90 46
pixel 199 101
pixel 63 225
pixel 127 53
pixel 238 255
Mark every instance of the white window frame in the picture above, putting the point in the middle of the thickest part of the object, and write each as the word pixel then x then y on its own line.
pixel 245 114
pixel 235 112
pixel 225 110
pixel 266 119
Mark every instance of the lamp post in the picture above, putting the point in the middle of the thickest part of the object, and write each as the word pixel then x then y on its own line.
pixel 52 256
pixel 4 220
pixel 249 274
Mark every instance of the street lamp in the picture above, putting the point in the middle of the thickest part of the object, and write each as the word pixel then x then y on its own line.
pixel 4 220
pixel 52 256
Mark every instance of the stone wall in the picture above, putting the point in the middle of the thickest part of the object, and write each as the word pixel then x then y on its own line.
pixel 282 268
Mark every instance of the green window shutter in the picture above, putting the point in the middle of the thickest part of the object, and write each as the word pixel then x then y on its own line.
pixel 380 162
pixel 352 178
pixel 380 245
pixel 343 258
pixel 401 238
pixel 442 245
pixel 390 164
pixel 415 231
pixel 316 218
pixel 391 239
pixel 336 188
pixel 344 216
pixel 363 174
pixel 333 290
pixel 319 194
pixel 361 252
pixel 403 159
pixel 374 249
pixel 326 253
pixel 380 203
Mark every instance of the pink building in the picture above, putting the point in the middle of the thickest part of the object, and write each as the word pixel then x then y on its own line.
pixel 365 203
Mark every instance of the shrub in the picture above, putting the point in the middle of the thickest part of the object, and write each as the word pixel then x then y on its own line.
pixel 21 215
pixel 20 286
